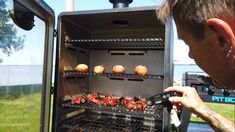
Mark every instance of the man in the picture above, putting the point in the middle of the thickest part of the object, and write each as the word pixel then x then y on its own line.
pixel 208 28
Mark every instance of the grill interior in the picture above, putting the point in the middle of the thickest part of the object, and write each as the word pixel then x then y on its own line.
pixel 90 122
pixel 93 38
pixel 94 52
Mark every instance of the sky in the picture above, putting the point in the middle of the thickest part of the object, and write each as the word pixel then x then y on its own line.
pixel 96 4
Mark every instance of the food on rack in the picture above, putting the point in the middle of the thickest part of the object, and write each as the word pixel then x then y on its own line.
pixel 93 98
pixel 133 103
pixel 109 101
pixel 119 69
pixel 82 68
pixel 78 100
pixel 130 103
pixel 99 69
pixel 141 70
pixel 142 104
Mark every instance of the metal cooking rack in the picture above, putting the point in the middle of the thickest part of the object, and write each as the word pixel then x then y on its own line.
pixel 125 43
pixel 106 123
pixel 73 73
pixel 152 112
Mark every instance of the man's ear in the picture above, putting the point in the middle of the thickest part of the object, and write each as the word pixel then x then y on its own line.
pixel 224 30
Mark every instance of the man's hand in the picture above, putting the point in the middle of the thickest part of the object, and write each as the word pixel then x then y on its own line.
pixel 190 98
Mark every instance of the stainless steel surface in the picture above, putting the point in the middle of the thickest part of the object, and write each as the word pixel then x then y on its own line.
pixel 168 66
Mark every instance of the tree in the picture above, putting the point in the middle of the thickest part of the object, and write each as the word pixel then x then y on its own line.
pixel 8 37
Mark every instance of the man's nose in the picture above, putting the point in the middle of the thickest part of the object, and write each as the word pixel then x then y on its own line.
pixel 190 55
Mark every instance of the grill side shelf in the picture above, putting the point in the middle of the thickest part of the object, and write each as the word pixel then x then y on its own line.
pixel 151 112
pixel 73 73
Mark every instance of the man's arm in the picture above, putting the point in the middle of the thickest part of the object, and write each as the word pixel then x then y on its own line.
pixel 191 100
pixel 216 121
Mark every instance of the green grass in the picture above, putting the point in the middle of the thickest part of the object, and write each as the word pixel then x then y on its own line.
pixel 226 110
pixel 20 114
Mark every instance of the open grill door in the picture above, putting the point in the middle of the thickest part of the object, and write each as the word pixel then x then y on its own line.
pixel 26 60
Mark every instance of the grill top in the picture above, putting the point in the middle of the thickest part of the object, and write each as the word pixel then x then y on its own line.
pixel 113 23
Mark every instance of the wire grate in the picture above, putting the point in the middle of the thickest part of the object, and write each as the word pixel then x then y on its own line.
pixel 72 73
pixel 91 122
pixel 120 44
pixel 152 112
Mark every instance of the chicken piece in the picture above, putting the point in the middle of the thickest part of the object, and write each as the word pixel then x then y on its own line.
pixel 82 68
pixel 94 100
pixel 141 70
pixel 78 100
pixel 109 101
pixel 134 103
pixel 119 69
pixel 129 103
pixel 142 104
pixel 93 97
pixel 99 69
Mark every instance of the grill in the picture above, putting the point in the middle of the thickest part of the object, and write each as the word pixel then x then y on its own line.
pixel 121 36
pixel 96 122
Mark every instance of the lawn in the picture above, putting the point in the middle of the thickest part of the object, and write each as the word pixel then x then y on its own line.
pixel 21 114
pixel 227 110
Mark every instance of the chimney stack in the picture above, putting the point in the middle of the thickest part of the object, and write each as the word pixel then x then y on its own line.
pixel 69 5
pixel 120 3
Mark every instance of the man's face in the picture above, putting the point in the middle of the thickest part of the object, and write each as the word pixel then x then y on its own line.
pixel 207 54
